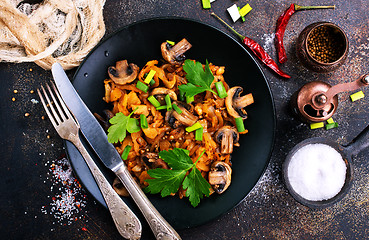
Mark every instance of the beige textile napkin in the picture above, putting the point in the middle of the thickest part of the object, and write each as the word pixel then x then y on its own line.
pixel 61 31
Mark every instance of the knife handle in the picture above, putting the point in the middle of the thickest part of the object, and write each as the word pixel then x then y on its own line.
pixel 160 227
pixel 125 220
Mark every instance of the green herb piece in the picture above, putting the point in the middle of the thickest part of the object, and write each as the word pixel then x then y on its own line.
pixel 143 121
pixel 194 127
pixel 176 108
pixel 181 95
pixel 190 99
pixel 149 76
pixel 222 93
pixel 199 80
pixel 239 124
pixel 126 152
pixel 153 101
pixel 245 10
pixel 330 120
pixel 168 102
pixel 316 125
pixel 171 42
pixel 356 96
pixel 161 107
pixel 168 181
pixel 206 4
pixel 120 124
pixel 152 82
pixel 142 86
pixel 198 134
pixel 331 125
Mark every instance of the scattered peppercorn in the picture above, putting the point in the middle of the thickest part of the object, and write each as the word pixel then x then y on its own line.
pixel 13 99
pixel 43 117
pixel 26 114
pixel 15 91
pixel 31 91
pixel 30 69
pixel 325 44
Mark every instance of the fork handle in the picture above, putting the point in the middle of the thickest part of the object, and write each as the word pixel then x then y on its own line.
pixel 160 227
pixel 125 220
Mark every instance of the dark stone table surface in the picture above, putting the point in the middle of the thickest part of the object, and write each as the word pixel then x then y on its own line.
pixel 31 150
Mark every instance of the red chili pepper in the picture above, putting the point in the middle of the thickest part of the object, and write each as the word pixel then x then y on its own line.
pixel 282 24
pixel 260 53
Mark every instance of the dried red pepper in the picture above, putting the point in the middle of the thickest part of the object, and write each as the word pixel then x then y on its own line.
pixel 281 27
pixel 257 50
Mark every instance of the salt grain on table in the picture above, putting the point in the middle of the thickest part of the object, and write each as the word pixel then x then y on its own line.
pixel 317 172
pixel 69 197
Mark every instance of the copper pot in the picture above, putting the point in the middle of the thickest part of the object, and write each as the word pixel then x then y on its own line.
pixel 311 62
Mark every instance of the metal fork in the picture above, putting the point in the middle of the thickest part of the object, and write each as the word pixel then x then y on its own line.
pixel 68 128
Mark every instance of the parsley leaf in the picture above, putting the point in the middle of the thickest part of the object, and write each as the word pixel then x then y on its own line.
pixel 199 80
pixel 168 181
pixel 120 124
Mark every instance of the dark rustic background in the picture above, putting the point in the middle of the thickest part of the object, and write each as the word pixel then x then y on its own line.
pixel 29 145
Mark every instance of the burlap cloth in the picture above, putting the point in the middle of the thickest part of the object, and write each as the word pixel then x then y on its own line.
pixel 61 31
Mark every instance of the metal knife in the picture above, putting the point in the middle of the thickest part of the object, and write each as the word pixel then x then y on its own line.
pixel 97 138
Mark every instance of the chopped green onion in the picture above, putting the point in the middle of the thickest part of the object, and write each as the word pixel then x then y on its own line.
pixel 356 96
pixel 242 17
pixel 171 42
pixel 149 76
pixel 143 121
pixel 221 89
pixel 331 125
pixel 239 124
pixel 168 102
pixel 153 101
pixel 181 95
pixel 126 152
pixel 152 82
pixel 245 10
pixel 206 4
pixel 316 125
pixel 176 108
pixel 194 127
pixel 190 99
pixel 330 121
pixel 198 134
pixel 161 107
pixel 140 85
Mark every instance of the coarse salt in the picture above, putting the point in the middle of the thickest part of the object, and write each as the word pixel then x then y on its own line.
pixel 317 172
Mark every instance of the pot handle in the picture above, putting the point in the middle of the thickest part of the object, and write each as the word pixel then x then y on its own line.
pixel 359 143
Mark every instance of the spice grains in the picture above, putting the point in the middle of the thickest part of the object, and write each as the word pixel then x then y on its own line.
pixel 326 44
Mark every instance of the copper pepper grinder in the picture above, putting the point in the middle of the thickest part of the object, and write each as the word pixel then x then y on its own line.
pixel 317 101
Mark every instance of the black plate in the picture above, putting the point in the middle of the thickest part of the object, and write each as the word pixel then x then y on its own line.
pixel 139 43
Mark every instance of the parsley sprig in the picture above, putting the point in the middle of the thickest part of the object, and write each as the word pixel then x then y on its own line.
pixel 120 124
pixel 199 80
pixel 168 181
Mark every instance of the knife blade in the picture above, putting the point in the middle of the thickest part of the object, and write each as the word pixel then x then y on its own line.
pixel 97 138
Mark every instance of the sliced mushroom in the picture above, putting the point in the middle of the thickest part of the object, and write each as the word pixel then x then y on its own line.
pixel 175 54
pixel 152 160
pixel 123 72
pixel 119 188
pixel 220 176
pixel 104 122
pixel 227 136
pixel 235 104
pixel 161 92
pixel 185 118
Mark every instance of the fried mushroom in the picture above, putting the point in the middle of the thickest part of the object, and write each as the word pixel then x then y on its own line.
pixel 220 176
pixel 123 72
pixel 227 136
pixel 235 103
pixel 175 54
pixel 119 188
